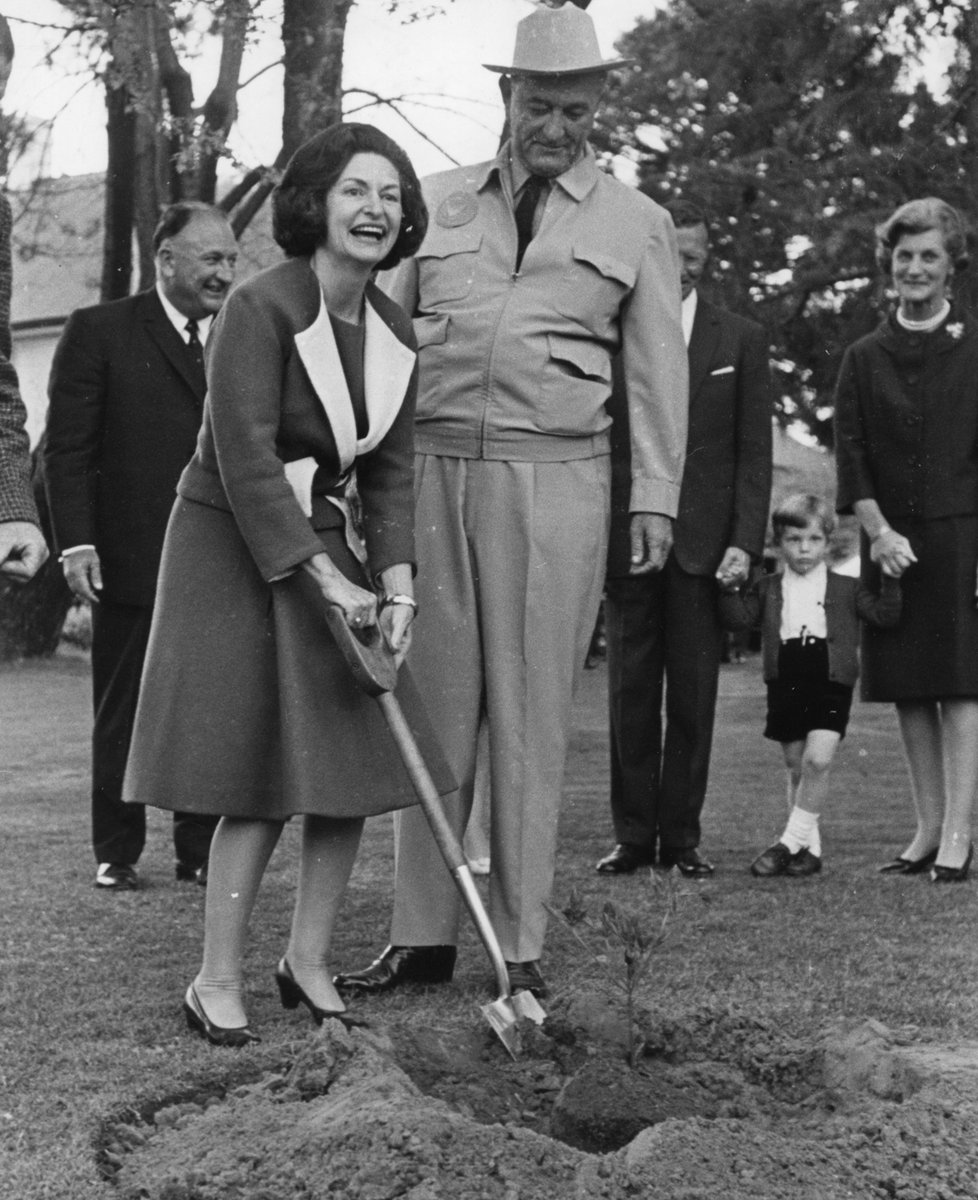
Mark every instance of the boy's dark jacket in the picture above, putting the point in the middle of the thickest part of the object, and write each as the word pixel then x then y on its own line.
pixel 847 601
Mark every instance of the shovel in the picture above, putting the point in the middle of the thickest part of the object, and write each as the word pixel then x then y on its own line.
pixel 368 657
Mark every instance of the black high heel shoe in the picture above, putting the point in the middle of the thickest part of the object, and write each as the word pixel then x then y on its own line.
pixel 941 874
pixel 218 1035
pixel 909 866
pixel 292 995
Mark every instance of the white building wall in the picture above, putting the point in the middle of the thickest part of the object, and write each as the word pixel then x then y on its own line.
pixel 33 350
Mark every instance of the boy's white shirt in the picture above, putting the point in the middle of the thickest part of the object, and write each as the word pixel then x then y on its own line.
pixel 803 603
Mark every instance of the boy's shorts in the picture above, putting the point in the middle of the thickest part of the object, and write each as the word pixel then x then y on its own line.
pixel 803 698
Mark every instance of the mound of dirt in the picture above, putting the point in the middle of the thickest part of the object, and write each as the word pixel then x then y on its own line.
pixel 719 1105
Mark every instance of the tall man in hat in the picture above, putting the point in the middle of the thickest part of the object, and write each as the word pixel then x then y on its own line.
pixel 127 394
pixel 537 267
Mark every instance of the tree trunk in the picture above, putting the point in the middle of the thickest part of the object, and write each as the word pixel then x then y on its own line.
pixel 312 33
pixel 119 193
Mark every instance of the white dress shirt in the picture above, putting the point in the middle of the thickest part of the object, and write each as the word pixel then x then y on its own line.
pixel 689 315
pixel 179 320
pixel 803 603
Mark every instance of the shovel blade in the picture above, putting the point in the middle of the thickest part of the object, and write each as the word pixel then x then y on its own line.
pixel 502 1017
pixel 505 1014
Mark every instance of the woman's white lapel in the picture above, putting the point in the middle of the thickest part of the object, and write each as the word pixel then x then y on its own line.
pixel 387 367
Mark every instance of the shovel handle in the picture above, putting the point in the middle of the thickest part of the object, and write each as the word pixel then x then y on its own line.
pixel 414 764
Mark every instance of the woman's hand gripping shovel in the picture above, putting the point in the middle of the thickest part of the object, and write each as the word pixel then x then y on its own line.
pixel 368 657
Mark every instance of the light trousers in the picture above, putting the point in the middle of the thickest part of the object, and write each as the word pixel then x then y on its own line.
pixel 511 559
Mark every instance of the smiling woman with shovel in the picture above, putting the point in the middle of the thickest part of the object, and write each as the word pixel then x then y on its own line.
pixel 298 499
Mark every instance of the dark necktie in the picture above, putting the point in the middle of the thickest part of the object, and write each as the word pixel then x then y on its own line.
pixel 196 349
pixel 525 211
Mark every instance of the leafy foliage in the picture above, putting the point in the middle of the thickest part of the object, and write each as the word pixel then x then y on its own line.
pixel 799 125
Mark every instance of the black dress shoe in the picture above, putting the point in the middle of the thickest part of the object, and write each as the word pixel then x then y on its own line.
pixel 185 873
pixel 526 977
pixel 293 994
pixel 942 874
pixel 624 859
pixel 401 964
pixel 909 866
pixel 218 1035
pixel 116 877
pixel 774 861
pixel 689 862
pixel 803 863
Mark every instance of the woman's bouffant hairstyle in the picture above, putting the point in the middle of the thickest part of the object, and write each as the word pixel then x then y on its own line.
pixel 800 509
pixel 919 216
pixel 299 201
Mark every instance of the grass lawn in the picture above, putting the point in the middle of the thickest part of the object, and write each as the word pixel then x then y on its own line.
pixel 91 983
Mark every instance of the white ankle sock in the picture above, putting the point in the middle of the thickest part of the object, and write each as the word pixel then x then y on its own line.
pixel 802 831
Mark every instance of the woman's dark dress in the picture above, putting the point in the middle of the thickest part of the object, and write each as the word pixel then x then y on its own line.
pixel 907 436
pixel 247 708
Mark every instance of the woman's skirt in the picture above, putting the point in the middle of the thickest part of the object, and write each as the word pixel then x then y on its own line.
pixel 247 708
pixel 933 652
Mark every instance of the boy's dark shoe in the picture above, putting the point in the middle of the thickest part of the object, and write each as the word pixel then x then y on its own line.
pixel 803 863
pixel 774 861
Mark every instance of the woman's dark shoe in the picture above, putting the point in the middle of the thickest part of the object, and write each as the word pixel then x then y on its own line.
pixel 940 874
pixel 909 866
pixel 293 995
pixel 217 1035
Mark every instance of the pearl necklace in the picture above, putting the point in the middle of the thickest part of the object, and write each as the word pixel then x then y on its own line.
pixel 928 324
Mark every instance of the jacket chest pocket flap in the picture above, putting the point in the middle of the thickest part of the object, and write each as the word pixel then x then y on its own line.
pixel 593 287
pixel 446 264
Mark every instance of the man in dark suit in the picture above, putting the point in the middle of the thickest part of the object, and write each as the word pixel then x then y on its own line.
pixel 126 397
pixel 663 630
pixel 22 546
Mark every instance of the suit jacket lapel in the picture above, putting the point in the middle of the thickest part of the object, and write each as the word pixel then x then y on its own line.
pixel 160 330
pixel 702 343
pixel 387 368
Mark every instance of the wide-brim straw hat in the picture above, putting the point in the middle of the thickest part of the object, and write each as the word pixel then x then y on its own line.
pixel 557 41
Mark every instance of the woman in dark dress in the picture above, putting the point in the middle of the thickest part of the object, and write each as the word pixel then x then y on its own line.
pixel 907 447
pixel 246 708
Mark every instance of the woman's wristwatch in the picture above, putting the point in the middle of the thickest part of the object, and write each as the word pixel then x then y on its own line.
pixel 398 598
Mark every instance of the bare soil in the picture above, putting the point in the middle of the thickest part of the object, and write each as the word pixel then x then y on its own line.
pixel 385 1112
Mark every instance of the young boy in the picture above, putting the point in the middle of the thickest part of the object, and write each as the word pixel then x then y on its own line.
pixel 809 620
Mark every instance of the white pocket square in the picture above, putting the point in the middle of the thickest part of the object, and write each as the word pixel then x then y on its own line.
pixel 722 371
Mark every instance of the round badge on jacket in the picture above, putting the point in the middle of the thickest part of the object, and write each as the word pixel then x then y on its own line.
pixel 457 209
